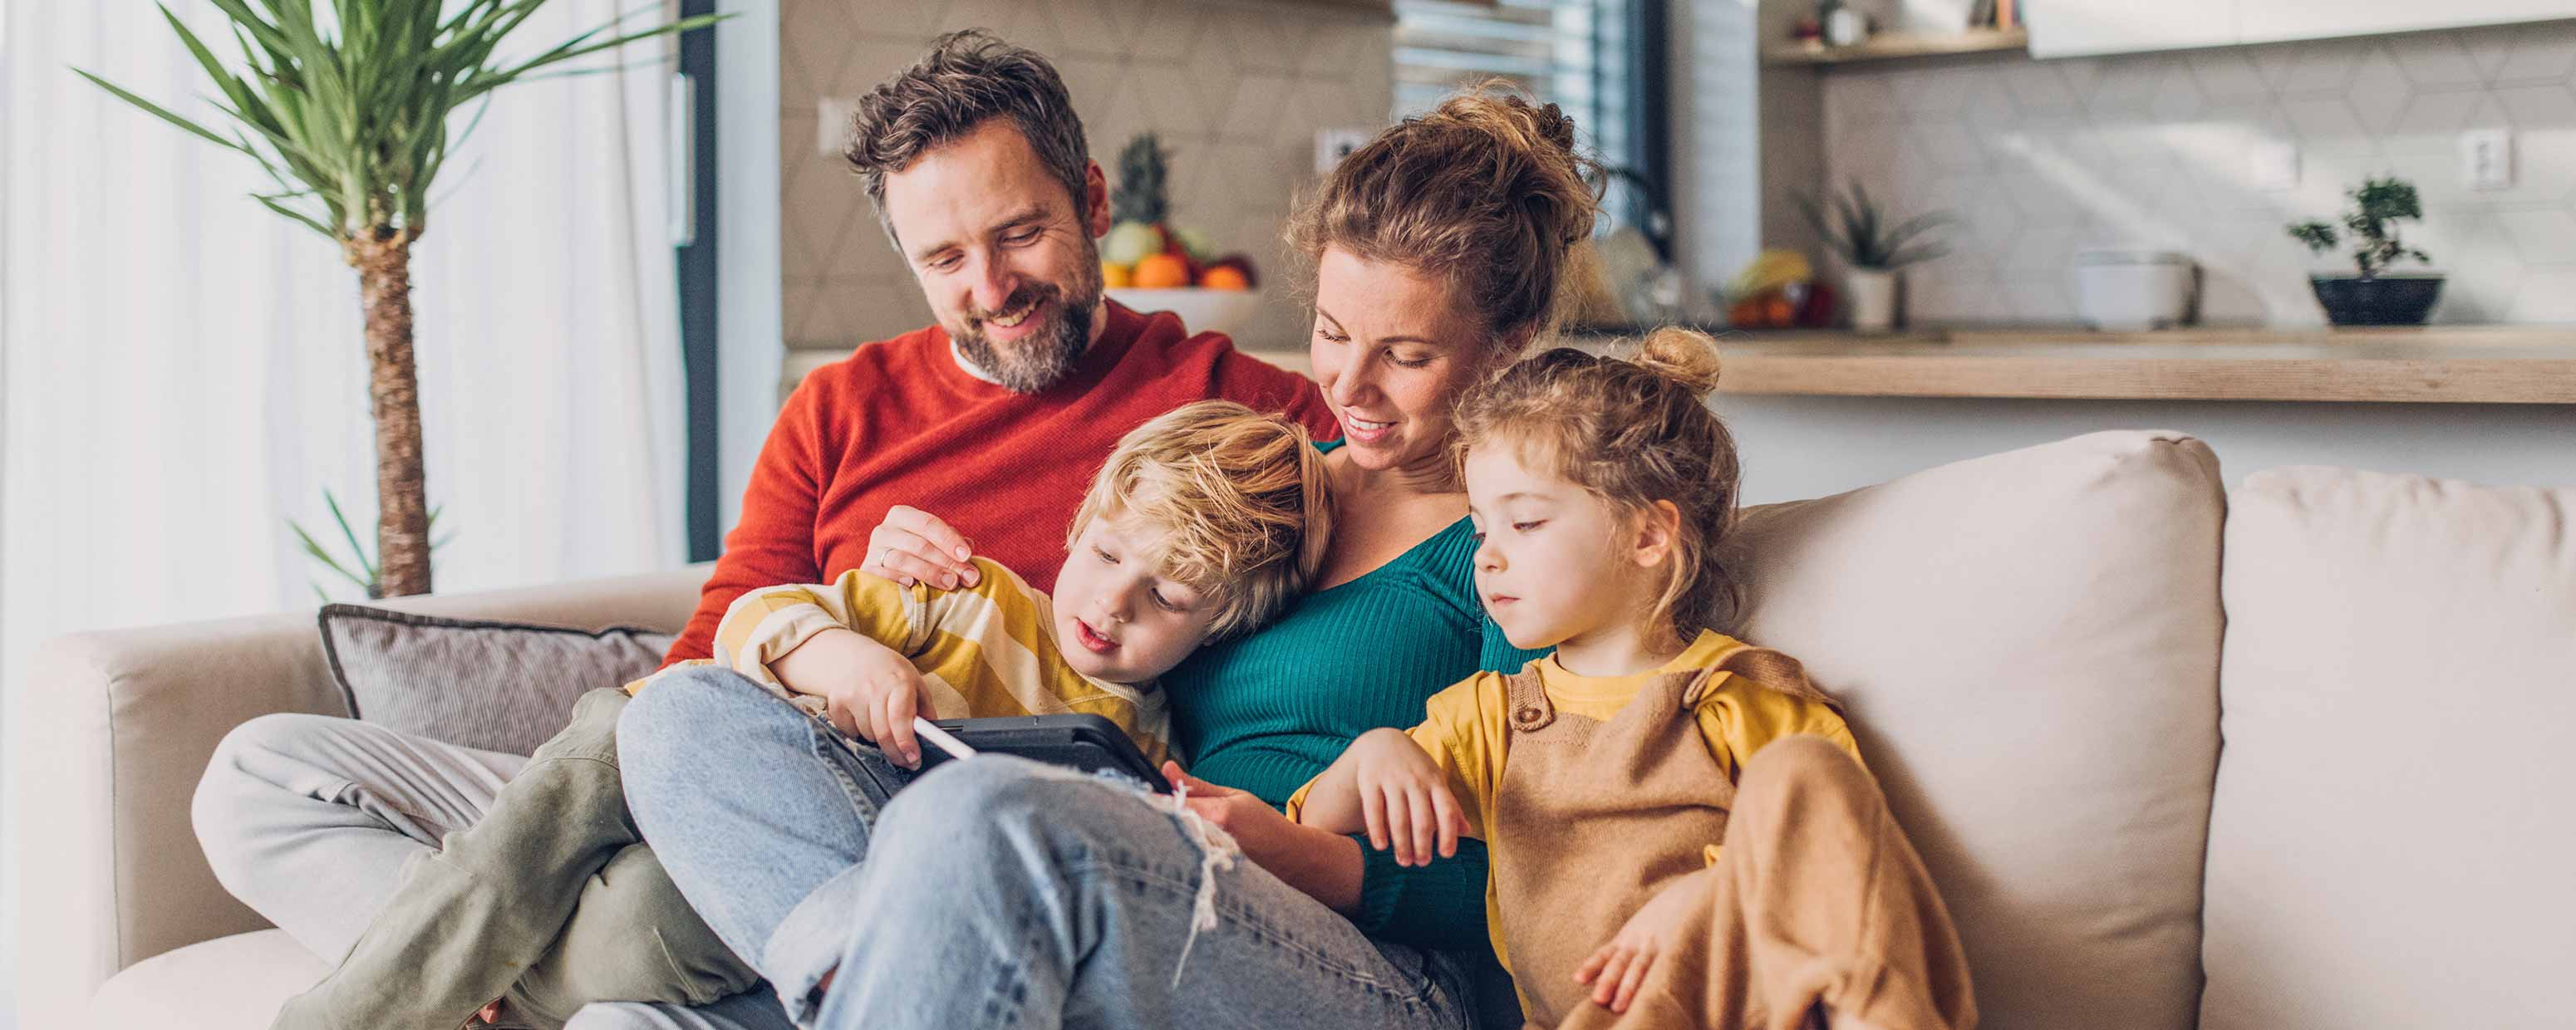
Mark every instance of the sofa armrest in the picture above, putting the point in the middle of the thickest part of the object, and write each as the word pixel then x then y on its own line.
pixel 117 727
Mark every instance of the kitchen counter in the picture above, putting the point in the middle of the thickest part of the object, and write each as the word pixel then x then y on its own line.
pixel 2412 364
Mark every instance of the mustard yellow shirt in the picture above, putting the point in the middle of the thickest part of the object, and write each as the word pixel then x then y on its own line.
pixel 983 650
pixel 1466 730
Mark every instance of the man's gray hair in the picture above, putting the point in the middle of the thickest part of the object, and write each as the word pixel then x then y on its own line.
pixel 968 77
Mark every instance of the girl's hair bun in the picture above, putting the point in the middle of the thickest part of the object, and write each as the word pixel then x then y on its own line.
pixel 1685 356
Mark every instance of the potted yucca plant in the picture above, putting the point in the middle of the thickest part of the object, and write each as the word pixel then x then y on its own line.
pixel 346 105
pixel 1875 249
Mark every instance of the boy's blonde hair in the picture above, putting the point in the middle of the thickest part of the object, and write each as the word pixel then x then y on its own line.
pixel 1632 431
pixel 1240 498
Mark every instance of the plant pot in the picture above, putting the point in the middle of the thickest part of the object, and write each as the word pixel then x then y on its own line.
pixel 1872 293
pixel 2378 300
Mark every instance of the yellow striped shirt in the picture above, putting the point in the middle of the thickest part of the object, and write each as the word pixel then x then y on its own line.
pixel 984 650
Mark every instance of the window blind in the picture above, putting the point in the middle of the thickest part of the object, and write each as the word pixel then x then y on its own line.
pixel 1582 55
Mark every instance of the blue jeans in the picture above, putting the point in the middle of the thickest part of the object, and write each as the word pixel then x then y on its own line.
pixel 994 892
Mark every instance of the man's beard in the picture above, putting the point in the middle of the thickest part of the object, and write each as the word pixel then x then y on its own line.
pixel 1044 358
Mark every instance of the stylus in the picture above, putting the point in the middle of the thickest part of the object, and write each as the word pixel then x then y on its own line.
pixel 947 741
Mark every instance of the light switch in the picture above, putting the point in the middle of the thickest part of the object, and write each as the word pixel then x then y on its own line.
pixel 832 117
pixel 1332 145
pixel 2486 159
pixel 2273 165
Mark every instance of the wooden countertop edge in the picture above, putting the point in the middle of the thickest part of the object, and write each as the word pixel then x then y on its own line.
pixel 2383 380
pixel 1938 372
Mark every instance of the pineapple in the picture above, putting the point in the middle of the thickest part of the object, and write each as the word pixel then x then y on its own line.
pixel 1140 195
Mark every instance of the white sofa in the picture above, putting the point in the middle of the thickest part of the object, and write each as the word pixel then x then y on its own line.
pixel 2043 652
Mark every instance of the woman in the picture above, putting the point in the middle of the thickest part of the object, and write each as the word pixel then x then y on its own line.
pixel 989 892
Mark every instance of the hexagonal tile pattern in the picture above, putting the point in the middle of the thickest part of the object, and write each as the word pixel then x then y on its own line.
pixel 2536 56
pixel 2437 112
pixel 2036 159
pixel 2038 87
pixel 2379 91
pixel 2544 106
pixel 2435 59
pixel 1237 90
pixel 2226 73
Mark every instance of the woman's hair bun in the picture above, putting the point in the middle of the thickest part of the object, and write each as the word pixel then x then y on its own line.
pixel 1685 356
pixel 1549 120
pixel 1534 151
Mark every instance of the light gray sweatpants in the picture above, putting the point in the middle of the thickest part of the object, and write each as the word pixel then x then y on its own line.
pixel 308 819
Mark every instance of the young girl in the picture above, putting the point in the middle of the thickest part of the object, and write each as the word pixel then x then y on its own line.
pixel 1603 776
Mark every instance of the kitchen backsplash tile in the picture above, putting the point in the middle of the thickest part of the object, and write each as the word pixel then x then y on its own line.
pixel 1237 90
pixel 2039 158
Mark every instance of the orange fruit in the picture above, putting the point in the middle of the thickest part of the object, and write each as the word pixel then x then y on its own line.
pixel 1225 277
pixel 1162 272
pixel 1115 276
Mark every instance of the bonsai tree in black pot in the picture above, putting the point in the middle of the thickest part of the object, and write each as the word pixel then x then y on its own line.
pixel 2375 297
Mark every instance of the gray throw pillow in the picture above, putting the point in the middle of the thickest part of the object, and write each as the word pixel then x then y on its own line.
pixel 499 686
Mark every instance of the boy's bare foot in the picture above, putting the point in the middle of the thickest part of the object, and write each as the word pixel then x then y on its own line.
pixel 487 1015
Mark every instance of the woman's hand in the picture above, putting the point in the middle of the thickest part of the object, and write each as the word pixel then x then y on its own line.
pixel 1325 866
pixel 869 691
pixel 1619 967
pixel 1404 798
pixel 913 546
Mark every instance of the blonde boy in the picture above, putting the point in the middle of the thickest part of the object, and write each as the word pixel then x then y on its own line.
pixel 1202 523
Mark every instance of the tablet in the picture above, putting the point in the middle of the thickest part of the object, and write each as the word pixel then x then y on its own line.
pixel 1077 740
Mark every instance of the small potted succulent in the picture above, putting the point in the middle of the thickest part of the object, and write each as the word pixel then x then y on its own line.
pixel 2376 296
pixel 1873 251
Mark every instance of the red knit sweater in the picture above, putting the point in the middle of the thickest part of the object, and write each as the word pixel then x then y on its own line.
pixel 898 422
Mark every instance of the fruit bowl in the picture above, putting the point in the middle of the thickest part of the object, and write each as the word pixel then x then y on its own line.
pixel 1201 310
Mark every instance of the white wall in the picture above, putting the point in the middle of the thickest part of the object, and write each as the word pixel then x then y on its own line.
pixel 2037 159
pixel 1799 447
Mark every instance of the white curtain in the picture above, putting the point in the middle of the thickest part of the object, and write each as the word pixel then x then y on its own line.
pixel 181 371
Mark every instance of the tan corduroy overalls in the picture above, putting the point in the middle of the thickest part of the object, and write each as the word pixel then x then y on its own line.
pixel 1597 818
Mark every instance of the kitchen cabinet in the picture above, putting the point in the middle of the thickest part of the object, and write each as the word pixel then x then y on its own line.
pixel 2070 28
pixel 2263 21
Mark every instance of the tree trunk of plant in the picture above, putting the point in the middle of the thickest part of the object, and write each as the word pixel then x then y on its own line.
pixel 383 260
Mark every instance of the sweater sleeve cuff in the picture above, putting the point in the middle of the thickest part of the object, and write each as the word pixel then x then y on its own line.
pixel 1381 887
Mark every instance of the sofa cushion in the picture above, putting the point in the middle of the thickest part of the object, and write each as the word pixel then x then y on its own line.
pixel 2028 646
pixel 2390 838
pixel 499 686
pixel 222 984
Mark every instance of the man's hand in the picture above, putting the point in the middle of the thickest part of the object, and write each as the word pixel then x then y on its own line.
pixel 1617 969
pixel 1325 866
pixel 869 691
pixel 1404 797
pixel 913 546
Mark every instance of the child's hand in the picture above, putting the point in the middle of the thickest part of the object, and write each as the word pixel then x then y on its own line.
pixel 1404 798
pixel 1616 970
pixel 870 692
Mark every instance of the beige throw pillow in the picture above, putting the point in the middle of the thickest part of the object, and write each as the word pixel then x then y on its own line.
pixel 2028 643
pixel 2396 811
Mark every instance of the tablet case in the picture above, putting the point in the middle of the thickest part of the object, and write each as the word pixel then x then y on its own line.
pixel 1076 740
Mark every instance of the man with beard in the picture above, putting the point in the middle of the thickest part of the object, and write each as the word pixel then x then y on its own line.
pixel 996 417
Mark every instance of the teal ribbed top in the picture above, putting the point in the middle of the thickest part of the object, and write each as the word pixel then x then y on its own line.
pixel 1267 712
